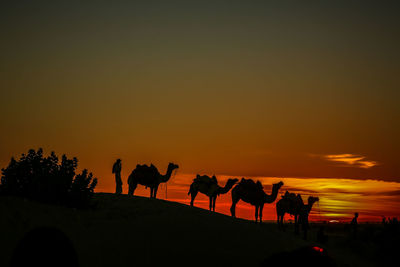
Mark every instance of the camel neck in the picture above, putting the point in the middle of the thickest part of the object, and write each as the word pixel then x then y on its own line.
pixel 271 198
pixel 167 175
pixel 226 188
pixel 309 207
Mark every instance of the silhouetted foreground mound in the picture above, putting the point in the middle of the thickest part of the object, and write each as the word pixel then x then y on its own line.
pixel 45 179
pixel 44 246
pixel 126 230
pixel 308 256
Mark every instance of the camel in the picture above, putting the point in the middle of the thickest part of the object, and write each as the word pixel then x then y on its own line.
pixel 253 193
pixel 304 212
pixel 294 205
pixel 289 203
pixel 209 186
pixel 149 176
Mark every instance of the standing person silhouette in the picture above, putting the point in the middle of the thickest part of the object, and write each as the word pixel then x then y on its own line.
pixel 354 224
pixel 117 170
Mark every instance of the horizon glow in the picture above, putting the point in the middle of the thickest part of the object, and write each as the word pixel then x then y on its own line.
pixel 339 198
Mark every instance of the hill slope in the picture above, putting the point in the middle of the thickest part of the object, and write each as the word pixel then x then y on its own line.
pixel 138 231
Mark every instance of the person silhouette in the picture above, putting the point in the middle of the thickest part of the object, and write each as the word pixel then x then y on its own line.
pixel 354 224
pixel 116 169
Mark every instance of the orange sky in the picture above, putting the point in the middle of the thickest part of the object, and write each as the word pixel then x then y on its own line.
pixel 241 89
pixel 339 198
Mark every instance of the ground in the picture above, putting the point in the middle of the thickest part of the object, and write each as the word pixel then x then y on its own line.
pixel 138 231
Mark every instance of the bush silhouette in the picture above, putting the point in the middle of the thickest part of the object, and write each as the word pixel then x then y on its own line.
pixel 46 179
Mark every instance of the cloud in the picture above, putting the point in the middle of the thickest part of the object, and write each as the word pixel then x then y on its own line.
pixel 352 160
pixel 389 193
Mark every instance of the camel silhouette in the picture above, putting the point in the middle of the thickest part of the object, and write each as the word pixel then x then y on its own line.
pixel 149 176
pixel 209 186
pixel 294 205
pixel 289 203
pixel 304 212
pixel 253 193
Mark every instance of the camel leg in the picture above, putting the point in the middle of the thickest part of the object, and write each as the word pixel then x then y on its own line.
pixel 296 224
pixel 155 191
pixel 233 207
pixel 261 211
pixel 132 187
pixel 214 200
pixel 210 203
pixel 235 200
pixel 256 213
pixel 193 196
pixel 281 222
pixel 151 192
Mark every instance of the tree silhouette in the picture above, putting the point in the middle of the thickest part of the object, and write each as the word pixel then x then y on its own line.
pixel 46 179
pixel 82 187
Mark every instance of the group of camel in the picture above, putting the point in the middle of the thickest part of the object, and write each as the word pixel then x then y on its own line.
pixel 246 190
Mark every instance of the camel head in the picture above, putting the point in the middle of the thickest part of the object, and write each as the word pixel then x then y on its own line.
pixel 164 178
pixel 172 166
pixel 277 186
pixel 312 200
pixel 232 181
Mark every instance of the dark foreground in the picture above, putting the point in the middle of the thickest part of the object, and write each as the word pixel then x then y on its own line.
pixel 137 231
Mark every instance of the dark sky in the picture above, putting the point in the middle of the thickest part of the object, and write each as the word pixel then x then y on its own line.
pixel 289 89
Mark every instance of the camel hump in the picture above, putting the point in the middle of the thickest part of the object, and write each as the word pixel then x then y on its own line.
pixel 206 179
pixel 245 181
pixel 289 196
pixel 259 185
pixel 250 184
pixel 146 169
pixel 300 199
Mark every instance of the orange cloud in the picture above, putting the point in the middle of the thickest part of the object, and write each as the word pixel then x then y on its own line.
pixel 353 160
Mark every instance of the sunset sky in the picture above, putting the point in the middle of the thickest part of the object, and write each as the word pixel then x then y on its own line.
pixel 234 88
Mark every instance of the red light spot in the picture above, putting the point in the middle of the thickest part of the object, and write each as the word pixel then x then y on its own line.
pixel 320 250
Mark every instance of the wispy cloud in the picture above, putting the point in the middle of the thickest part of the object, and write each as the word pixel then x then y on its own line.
pixel 352 160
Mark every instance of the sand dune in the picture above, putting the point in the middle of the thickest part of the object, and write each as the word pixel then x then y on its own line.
pixel 138 231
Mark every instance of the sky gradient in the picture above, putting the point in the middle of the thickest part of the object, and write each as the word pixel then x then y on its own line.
pixel 339 198
pixel 236 88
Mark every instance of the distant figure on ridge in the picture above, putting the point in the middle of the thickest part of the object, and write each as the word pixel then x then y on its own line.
pixel 149 176
pixel 209 186
pixel 354 220
pixel 354 225
pixel 253 193
pixel 116 169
